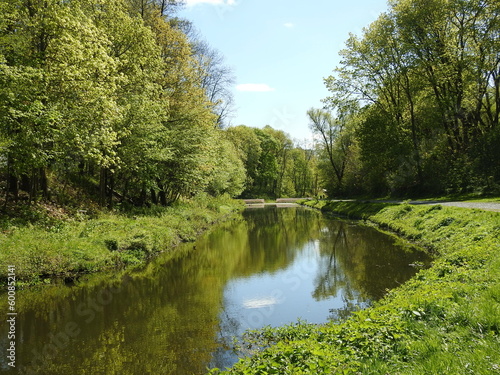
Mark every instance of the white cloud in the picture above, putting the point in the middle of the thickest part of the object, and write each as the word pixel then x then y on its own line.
pixel 254 87
pixel 289 25
pixel 191 3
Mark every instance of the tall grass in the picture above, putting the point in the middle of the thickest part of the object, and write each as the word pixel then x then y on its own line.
pixel 67 248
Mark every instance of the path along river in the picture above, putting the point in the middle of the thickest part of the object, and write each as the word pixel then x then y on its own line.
pixel 271 266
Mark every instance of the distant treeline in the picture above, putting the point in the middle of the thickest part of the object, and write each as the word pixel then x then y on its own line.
pixel 415 103
pixel 275 166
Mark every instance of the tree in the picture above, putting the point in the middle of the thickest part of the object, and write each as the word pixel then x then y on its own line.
pixel 303 171
pixel 228 175
pixel 50 86
pixel 164 8
pixel 336 141
pixel 266 155
pixel 247 144
pixel 107 94
pixel 379 69
pixel 216 80
pixel 425 75
pixel 282 155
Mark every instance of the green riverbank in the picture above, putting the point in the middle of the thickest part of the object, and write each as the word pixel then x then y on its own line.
pixel 62 249
pixel 446 320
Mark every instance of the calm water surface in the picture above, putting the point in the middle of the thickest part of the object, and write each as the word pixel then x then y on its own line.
pixel 270 267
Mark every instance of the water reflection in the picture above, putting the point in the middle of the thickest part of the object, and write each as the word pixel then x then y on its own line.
pixel 178 316
pixel 323 270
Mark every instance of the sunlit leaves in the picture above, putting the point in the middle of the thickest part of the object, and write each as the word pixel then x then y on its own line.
pixel 108 87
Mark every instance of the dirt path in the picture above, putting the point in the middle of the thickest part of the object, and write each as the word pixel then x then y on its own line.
pixel 487 206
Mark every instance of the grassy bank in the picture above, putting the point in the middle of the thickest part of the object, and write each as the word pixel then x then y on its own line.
pixel 350 209
pixel 446 320
pixel 68 246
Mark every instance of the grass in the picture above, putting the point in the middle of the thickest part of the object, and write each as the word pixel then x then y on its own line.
pixel 446 320
pixel 350 209
pixel 46 248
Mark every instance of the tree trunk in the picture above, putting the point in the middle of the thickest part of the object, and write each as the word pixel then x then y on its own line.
pixel 13 187
pixel 125 191
pixel 102 186
pixel 44 183
pixel 12 183
pixel 143 197
pixel 154 199
pixel 161 194
pixel 111 189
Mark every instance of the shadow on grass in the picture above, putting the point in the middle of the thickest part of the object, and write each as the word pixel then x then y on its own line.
pixel 351 209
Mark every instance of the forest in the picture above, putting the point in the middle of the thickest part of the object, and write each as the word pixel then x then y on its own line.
pixel 414 104
pixel 121 101
pixel 111 98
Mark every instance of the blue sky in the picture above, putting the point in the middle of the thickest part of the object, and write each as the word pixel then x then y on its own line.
pixel 280 51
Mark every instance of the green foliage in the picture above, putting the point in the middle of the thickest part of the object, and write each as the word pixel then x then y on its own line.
pixel 423 74
pixel 109 98
pixel 274 167
pixel 444 320
pixel 44 249
pixel 229 175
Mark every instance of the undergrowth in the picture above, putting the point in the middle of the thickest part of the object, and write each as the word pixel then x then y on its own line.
pixel 446 320
pixel 44 247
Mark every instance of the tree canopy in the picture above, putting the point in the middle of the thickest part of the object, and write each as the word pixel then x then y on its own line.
pixel 124 102
pixel 425 77
pixel 113 97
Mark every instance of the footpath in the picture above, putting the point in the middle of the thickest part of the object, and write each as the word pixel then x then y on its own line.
pixel 487 206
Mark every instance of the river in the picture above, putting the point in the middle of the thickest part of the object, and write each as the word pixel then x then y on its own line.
pixel 271 266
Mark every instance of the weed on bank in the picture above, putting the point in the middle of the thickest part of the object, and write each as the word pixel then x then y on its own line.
pixel 65 249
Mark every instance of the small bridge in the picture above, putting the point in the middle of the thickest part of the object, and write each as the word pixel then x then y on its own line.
pixel 280 202
pixel 289 200
pixel 254 201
